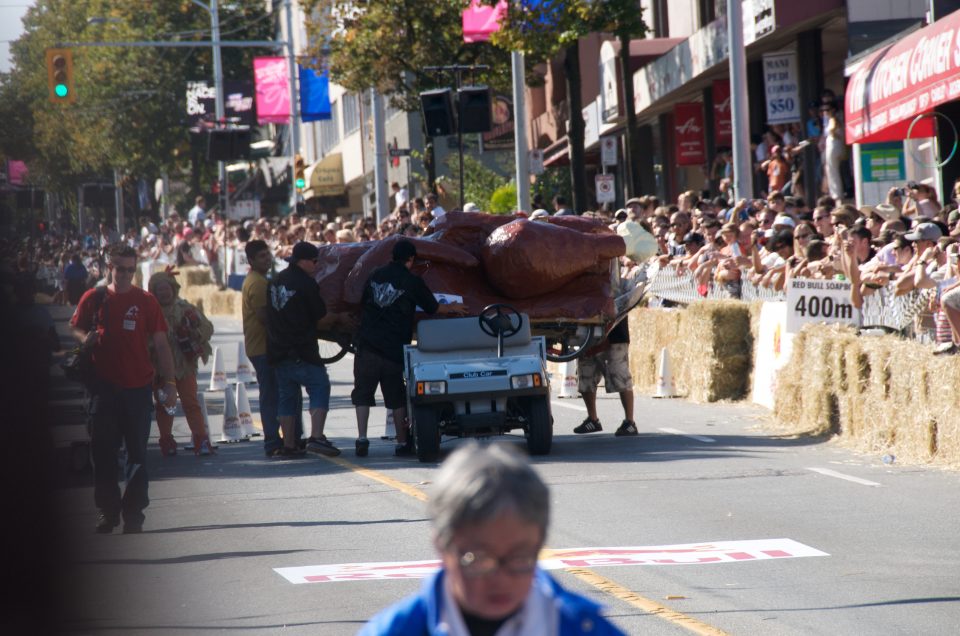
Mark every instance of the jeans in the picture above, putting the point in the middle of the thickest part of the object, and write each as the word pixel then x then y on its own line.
pixel 313 377
pixel 269 400
pixel 119 415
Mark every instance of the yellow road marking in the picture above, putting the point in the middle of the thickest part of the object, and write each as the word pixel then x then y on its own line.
pixel 602 583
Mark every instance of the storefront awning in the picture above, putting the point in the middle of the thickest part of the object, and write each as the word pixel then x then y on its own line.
pixel 325 178
pixel 891 87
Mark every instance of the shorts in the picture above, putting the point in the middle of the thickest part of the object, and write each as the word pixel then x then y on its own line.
pixel 291 376
pixel 613 365
pixel 370 370
pixel 951 299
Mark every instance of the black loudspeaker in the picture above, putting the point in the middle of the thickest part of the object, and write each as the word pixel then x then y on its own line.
pixel 437 109
pixel 476 115
pixel 228 144
pixel 219 145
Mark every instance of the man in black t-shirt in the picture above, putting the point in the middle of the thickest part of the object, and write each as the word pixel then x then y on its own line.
pixel 611 361
pixel 390 299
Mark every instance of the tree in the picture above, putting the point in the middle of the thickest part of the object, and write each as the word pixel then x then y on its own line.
pixel 543 29
pixel 130 107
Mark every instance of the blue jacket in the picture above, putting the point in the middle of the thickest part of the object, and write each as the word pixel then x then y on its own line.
pixel 419 614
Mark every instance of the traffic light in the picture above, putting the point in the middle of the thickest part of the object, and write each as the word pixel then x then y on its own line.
pixel 60 76
pixel 299 178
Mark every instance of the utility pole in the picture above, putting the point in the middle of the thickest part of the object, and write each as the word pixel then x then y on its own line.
pixel 520 131
pixel 222 197
pixel 294 104
pixel 379 156
pixel 739 107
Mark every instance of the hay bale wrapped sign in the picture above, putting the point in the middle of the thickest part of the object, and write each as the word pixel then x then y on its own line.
pixel 814 300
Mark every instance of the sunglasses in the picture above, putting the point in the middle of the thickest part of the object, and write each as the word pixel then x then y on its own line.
pixel 124 270
pixel 820 218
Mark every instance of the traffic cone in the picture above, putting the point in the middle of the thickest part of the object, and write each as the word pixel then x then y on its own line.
pixel 245 371
pixel 568 387
pixel 230 432
pixel 243 411
pixel 665 387
pixel 218 377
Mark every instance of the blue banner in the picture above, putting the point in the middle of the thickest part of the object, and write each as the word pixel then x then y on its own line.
pixel 314 95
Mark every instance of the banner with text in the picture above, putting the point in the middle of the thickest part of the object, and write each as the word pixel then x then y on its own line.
pixel 237 102
pixel 273 90
pixel 688 132
pixel 722 123
pixel 782 88
pixel 814 300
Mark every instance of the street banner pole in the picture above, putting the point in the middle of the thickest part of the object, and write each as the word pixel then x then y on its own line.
pixel 739 108
pixel 520 131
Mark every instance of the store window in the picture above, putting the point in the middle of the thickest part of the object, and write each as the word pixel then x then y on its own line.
pixel 330 130
pixel 351 113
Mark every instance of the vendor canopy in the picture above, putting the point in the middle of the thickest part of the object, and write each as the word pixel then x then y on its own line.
pixel 889 88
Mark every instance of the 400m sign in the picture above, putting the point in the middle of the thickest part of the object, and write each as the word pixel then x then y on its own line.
pixel 819 301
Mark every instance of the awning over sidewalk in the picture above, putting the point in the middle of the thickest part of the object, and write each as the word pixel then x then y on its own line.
pixel 325 178
pixel 888 89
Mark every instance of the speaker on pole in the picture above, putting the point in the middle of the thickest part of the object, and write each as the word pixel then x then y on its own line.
pixel 476 115
pixel 437 110
pixel 219 144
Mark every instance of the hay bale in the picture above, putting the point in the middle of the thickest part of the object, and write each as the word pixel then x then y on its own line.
pixel 214 301
pixel 194 276
pixel 709 344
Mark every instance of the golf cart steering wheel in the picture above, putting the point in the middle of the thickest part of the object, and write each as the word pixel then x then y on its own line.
pixel 497 320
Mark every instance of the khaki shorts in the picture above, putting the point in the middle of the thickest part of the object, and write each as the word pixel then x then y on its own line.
pixel 613 365
pixel 951 299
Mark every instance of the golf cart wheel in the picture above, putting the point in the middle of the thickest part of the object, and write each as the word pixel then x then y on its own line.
pixel 426 433
pixel 568 346
pixel 331 352
pixel 539 427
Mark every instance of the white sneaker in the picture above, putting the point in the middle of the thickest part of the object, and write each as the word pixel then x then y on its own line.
pixel 205 447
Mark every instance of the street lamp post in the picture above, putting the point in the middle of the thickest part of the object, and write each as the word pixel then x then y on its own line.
pixel 213 10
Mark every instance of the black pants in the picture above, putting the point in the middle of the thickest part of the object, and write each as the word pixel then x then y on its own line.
pixel 120 415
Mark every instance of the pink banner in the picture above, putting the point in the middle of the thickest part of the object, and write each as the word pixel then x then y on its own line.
pixel 16 172
pixel 272 79
pixel 480 20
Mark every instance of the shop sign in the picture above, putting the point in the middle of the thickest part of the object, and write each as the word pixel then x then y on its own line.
pixel 688 132
pixel 722 122
pixel 912 76
pixel 882 162
pixel 782 88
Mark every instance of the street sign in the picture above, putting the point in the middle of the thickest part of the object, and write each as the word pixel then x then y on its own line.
pixel 608 151
pixel 399 152
pixel 605 188
pixel 536 161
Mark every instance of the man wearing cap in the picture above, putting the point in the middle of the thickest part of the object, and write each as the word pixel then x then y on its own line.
pixel 927 258
pixel 390 299
pixel 293 309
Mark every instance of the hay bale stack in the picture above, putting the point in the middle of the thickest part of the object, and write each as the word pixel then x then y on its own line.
pixel 194 276
pixel 214 301
pixel 879 394
pixel 709 344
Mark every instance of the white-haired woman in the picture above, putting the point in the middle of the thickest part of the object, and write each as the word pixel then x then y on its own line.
pixel 489 511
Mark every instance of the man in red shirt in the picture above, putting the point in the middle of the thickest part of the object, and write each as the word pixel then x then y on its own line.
pixel 119 322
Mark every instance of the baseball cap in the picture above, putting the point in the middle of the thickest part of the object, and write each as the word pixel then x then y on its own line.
pixel 539 214
pixel 470 207
pixel 634 200
pixel 621 215
pixel 783 219
pixel 925 232
pixel 694 237
pixel 303 251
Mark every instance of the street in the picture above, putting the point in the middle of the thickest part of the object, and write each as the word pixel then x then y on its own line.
pixel 816 540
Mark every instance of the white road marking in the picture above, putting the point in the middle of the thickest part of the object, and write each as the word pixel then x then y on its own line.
pixel 699 438
pixel 575 407
pixel 833 473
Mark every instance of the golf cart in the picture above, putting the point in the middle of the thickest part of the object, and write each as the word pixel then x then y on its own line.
pixel 476 377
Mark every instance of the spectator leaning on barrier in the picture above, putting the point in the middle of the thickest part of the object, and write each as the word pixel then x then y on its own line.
pixel 950 304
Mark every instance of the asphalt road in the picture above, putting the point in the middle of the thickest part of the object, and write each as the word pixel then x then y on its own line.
pixel 881 538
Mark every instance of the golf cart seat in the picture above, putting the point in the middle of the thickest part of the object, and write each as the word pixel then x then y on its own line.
pixel 459 334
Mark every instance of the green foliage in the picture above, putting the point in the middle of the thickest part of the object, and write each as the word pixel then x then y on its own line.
pixel 504 199
pixel 130 101
pixel 387 44
pixel 481 181
pixel 554 180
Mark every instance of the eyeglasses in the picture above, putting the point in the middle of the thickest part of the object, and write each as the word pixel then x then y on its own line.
pixel 477 563
pixel 124 270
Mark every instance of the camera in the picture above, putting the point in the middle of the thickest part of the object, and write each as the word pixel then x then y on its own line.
pixel 900 192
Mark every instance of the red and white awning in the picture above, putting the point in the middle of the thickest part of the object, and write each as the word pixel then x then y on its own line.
pixel 891 87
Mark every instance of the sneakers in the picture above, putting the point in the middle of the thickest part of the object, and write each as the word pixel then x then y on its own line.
pixel 405 450
pixel 588 426
pixel 168 445
pixel 627 429
pixel 946 349
pixel 289 453
pixel 321 446
pixel 106 523
pixel 362 447
pixel 205 448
